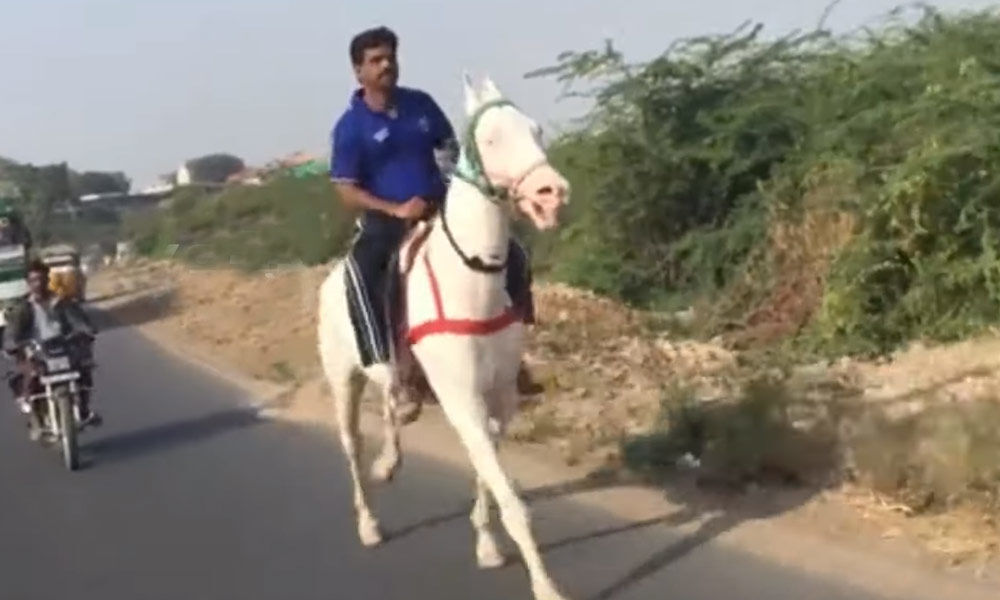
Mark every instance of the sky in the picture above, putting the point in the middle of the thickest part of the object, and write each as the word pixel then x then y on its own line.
pixel 142 85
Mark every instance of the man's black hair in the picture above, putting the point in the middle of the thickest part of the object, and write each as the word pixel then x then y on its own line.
pixel 372 38
pixel 38 266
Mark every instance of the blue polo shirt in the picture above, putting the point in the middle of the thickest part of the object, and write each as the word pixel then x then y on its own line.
pixel 391 154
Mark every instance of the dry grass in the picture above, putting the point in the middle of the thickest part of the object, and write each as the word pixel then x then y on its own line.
pixel 264 325
pixel 795 262
pixel 801 254
pixel 941 457
pixel 603 372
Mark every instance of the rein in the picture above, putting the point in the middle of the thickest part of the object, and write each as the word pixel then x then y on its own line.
pixel 474 262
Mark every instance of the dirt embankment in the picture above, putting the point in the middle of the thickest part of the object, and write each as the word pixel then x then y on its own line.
pixel 608 377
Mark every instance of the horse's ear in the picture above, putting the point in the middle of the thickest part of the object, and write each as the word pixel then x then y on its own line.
pixel 490 91
pixel 471 96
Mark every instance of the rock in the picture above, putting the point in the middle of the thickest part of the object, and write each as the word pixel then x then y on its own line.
pixel 685 318
pixel 688 461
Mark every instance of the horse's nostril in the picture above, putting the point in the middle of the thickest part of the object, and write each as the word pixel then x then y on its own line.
pixel 545 191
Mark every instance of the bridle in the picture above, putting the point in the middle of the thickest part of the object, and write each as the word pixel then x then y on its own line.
pixel 472 171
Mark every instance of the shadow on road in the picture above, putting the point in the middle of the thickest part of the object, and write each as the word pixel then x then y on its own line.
pixel 674 519
pixel 709 530
pixel 548 492
pixel 129 310
pixel 718 514
pixel 158 438
pixel 107 297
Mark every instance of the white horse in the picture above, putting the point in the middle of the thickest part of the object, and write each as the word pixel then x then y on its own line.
pixel 463 335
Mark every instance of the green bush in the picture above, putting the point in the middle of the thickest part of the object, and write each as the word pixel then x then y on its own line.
pixel 689 164
pixel 286 221
pixel 940 456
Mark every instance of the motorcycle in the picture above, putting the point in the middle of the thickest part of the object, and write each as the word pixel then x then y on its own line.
pixel 57 406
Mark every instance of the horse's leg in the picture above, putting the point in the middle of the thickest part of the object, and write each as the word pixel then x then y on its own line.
pixel 341 368
pixel 467 414
pixel 487 554
pixel 388 461
pixel 347 395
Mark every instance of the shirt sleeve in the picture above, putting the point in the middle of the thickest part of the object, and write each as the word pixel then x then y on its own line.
pixel 346 152
pixel 446 149
pixel 441 128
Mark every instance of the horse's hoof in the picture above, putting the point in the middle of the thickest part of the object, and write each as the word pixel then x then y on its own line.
pixel 370 534
pixel 547 592
pixel 408 412
pixel 491 561
pixel 384 472
pixel 487 555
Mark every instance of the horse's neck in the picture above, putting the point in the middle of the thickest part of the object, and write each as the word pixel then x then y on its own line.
pixel 480 229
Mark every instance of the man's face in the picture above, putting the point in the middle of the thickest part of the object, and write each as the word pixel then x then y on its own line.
pixel 38 283
pixel 378 68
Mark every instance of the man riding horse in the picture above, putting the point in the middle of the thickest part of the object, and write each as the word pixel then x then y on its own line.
pixel 384 164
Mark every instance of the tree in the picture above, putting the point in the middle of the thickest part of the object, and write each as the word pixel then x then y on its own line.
pixel 214 168
pixel 100 182
pixel 41 188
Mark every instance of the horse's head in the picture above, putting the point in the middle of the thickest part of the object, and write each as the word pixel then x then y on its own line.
pixel 504 157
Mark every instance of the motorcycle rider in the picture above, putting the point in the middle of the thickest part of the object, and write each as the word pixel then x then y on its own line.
pixel 41 316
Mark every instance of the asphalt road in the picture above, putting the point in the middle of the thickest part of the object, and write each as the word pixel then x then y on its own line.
pixel 187 495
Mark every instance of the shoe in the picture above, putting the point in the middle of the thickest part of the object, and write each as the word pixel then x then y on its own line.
pixel 24 406
pixel 91 419
pixel 36 426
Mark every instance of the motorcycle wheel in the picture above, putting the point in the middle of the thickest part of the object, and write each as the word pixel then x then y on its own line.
pixel 67 433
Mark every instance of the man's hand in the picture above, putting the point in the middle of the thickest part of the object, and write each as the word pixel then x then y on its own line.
pixel 412 209
pixel 357 198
